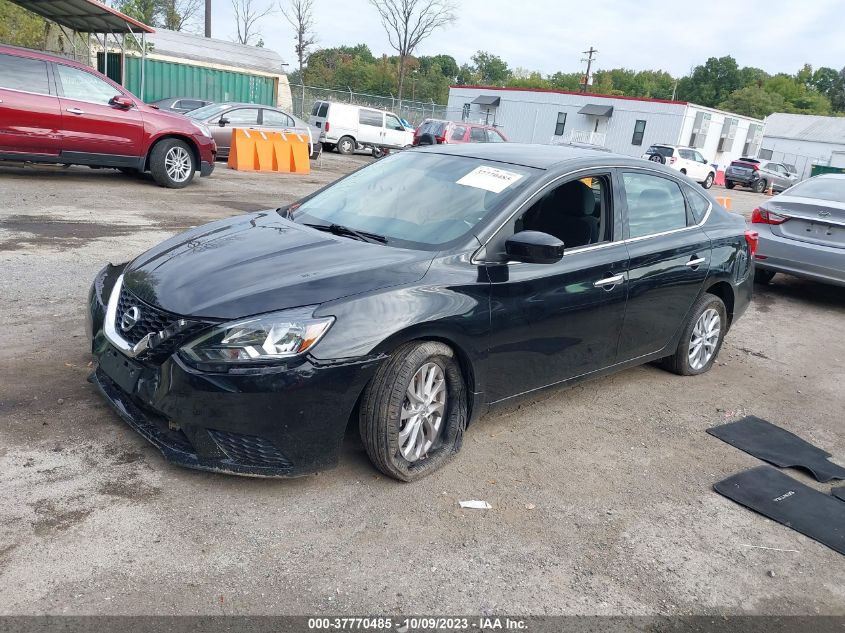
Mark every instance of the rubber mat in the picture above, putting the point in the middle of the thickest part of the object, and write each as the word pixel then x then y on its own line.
pixel 777 446
pixel 783 499
pixel 839 493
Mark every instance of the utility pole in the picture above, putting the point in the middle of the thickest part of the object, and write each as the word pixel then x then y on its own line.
pixel 208 18
pixel 589 59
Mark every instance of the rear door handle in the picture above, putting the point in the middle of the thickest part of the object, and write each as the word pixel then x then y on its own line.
pixel 609 282
pixel 75 111
pixel 695 263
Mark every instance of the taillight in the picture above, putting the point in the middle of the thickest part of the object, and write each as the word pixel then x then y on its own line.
pixel 440 139
pixel 762 216
pixel 672 160
pixel 751 238
pixel 755 166
pixel 327 126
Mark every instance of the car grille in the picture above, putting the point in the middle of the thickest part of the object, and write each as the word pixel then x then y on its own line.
pixel 249 450
pixel 151 320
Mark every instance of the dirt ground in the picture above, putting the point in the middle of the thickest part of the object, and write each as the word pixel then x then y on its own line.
pixel 601 494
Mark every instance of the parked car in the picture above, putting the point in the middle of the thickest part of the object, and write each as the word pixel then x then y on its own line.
pixel 54 110
pixel 686 160
pixel 410 297
pixel 758 175
pixel 222 117
pixel 439 132
pixel 802 231
pixel 180 105
pixel 348 127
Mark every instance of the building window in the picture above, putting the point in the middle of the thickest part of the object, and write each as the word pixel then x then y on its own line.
pixel 766 154
pixel 465 112
pixel 639 132
pixel 561 123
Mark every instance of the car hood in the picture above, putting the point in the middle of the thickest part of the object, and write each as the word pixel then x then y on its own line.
pixel 261 262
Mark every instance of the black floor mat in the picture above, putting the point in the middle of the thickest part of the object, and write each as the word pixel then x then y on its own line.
pixel 771 493
pixel 839 493
pixel 777 446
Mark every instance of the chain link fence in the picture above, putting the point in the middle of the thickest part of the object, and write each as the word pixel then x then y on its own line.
pixel 413 111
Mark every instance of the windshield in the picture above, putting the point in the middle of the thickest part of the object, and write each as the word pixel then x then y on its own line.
pixel 821 189
pixel 418 199
pixel 206 112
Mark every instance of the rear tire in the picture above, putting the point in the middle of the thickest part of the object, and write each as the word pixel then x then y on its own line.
pixel 172 163
pixel 762 276
pixel 706 315
pixel 708 182
pixel 730 184
pixel 657 158
pixel 346 145
pixel 386 402
pixel 759 186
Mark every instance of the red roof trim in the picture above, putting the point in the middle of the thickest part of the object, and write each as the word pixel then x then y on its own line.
pixel 570 92
pixel 140 25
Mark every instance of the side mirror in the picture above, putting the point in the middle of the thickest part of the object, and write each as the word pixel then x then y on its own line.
pixel 223 122
pixel 534 247
pixel 121 101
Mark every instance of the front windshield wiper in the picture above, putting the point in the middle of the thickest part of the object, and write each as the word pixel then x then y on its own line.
pixel 339 229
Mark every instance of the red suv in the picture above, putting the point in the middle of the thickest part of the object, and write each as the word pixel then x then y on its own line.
pixel 437 132
pixel 53 110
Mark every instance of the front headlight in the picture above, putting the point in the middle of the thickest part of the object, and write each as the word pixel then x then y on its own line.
pixel 202 127
pixel 267 337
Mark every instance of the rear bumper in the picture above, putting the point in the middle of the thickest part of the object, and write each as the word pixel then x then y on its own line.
pixel 741 180
pixel 825 264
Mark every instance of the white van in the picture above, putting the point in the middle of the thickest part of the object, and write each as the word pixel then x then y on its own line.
pixel 349 127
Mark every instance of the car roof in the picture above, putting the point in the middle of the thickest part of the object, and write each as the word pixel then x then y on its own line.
pixel 529 155
pixel 835 176
pixel 40 55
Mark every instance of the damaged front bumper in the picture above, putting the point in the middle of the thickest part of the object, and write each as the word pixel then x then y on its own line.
pixel 277 421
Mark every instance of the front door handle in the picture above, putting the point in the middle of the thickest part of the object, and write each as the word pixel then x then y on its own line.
pixel 695 263
pixel 75 111
pixel 609 282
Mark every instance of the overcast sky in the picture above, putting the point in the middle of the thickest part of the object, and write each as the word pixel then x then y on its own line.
pixel 775 35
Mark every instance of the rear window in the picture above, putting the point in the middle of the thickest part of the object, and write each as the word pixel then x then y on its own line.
pixel 20 73
pixel 666 152
pixel 437 128
pixel 740 161
pixel 820 189
pixel 324 110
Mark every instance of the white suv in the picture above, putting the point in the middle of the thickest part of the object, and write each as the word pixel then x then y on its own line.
pixel 686 160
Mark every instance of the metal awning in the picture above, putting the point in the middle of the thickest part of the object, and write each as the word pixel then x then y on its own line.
pixel 487 100
pixel 596 109
pixel 84 16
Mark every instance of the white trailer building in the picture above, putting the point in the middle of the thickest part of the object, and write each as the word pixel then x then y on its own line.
pixel 626 125
pixel 804 140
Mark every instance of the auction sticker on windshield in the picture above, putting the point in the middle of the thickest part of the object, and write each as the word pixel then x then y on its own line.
pixel 489 179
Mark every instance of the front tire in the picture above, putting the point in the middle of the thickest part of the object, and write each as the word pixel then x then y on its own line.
pixel 413 413
pixel 762 276
pixel 708 182
pixel 172 163
pixel 346 145
pixel 701 339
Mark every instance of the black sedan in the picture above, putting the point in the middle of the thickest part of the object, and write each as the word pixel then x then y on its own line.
pixel 408 299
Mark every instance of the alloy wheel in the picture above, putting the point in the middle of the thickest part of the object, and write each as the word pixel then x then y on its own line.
pixel 177 164
pixel 704 338
pixel 423 410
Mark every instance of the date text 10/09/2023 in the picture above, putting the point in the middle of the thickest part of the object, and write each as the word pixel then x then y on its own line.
pixel 412 624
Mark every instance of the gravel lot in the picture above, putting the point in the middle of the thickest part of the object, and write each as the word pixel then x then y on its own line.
pixel 601 494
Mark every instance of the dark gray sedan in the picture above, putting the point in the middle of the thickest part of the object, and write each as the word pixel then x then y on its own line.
pixel 802 231
pixel 222 117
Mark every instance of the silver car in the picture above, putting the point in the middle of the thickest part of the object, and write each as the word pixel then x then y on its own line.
pixel 802 231
pixel 759 175
pixel 222 117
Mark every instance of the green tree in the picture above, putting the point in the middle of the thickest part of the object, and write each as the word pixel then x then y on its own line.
pixel 711 83
pixel 20 27
pixel 146 11
pixel 753 101
pixel 492 70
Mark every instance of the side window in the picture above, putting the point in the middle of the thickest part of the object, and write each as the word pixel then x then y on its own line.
pixel 639 132
pixel 478 135
pixel 699 204
pixel 494 137
pixel 272 118
pixel 699 158
pixel 576 212
pixel 20 73
pixel 370 117
pixel 655 204
pixel 686 154
pixel 81 85
pixel 458 133
pixel 324 109
pixel 242 116
pixel 561 123
pixel 392 122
